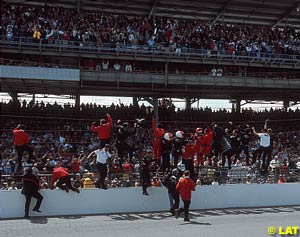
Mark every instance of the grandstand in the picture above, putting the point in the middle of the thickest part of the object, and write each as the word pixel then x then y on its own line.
pixel 181 65
pixel 152 50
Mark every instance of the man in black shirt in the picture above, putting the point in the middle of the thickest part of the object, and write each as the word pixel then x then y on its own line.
pixel 178 142
pixel 31 189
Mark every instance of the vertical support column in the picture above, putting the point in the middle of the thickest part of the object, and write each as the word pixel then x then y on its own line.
pixel 155 107
pixel 14 96
pixel 33 98
pixel 232 107
pixel 135 101
pixel 188 103
pixel 77 100
pixel 286 104
pixel 238 106
pixel 78 6
pixel 166 73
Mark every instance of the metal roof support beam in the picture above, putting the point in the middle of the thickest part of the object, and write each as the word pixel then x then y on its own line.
pixel 286 14
pixel 221 12
pixel 78 6
pixel 153 8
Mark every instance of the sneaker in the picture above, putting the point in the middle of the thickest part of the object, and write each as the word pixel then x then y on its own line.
pixel 186 219
pixel 26 216
pixel 77 190
pixel 146 193
pixel 36 210
pixel 176 213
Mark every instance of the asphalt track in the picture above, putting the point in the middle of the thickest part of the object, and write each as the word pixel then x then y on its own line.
pixel 248 222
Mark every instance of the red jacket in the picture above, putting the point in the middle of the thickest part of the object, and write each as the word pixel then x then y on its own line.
pixel 185 186
pixel 58 173
pixel 158 133
pixel 20 137
pixel 208 138
pixel 189 151
pixel 103 131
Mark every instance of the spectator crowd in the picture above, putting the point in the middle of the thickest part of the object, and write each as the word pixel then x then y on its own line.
pixel 162 33
pixel 68 141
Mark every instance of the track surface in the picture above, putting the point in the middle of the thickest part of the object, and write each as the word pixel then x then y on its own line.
pixel 252 222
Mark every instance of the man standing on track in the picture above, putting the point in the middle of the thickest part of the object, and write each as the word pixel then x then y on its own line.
pixel 30 189
pixel 185 186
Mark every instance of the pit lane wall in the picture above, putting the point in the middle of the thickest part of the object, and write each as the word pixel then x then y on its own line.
pixel 128 200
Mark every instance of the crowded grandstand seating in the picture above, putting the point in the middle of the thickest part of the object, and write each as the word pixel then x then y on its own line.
pixel 97 28
pixel 62 139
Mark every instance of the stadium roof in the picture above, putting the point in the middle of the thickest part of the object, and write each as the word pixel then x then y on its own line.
pixel 279 13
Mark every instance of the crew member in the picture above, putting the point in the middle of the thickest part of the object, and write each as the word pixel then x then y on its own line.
pixel 185 187
pixel 21 140
pixel 30 189
pixel 158 133
pixel 102 155
pixel 170 182
pixel 61 175
pixel 145 174
pixel 103 130
pixel 189 151
pixel 166 151
pixel 178 142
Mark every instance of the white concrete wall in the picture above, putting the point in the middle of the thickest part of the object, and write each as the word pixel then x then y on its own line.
pixel 39 73
pixel 122 200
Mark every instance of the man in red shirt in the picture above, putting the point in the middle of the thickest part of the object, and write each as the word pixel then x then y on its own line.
pixel 185 186
pixel 189 151
pixel 64 180
pixel 21 140
pixel 103 131
pixel 203 146
pixel 158 133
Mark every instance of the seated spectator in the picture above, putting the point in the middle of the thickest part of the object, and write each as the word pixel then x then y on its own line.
pixel 43 183
pixel 88 182
pixel 281 179
pixel 12 185
pixel 127 166
pixel 115 183
pixel 155 182
pixel 77 182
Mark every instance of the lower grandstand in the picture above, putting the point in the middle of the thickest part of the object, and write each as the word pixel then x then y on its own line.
pixel 57 137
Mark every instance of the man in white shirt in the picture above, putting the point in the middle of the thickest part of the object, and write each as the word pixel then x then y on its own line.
pixel 264 144
pixel 102 155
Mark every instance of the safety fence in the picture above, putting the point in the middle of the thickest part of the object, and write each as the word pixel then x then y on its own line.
pixel 204 176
